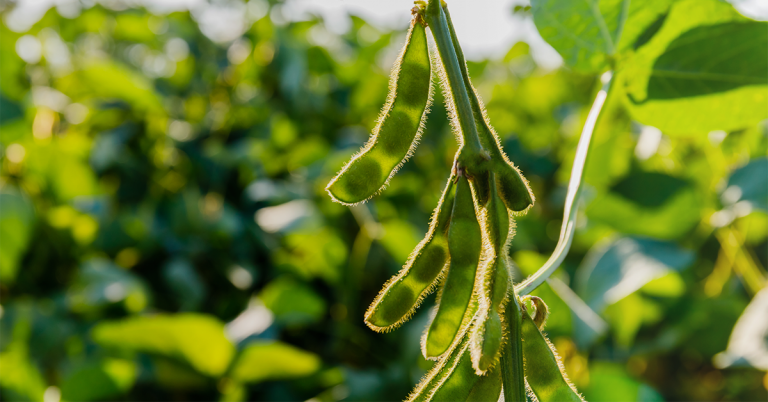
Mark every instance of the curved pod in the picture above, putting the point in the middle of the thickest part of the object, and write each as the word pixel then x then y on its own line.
pixel 397 133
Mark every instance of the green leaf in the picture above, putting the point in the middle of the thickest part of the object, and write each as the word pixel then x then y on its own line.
pixel 273 360
pixel 706 69
pixel 649 204
pixel 617 270
pixel 610 382
pixel 16 224
pixel 749 183
pixel 589 33
pixel 99 380
pixel 293 303
pixel 196 339
pixel 586 33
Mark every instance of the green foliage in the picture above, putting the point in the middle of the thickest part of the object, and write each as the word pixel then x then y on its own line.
pixel 194 339
pixel 164 227
pixel 265 361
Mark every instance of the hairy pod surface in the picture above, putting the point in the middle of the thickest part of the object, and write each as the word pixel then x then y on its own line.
pixel 513 187
pixel 543 369
pixel 397 133
pixel 453 378
pixel 402 294
pixel 464 246
pixel 487 335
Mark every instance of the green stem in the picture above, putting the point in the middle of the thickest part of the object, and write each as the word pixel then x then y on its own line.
pixel 572 198
pixel 512 374
pixel 472 149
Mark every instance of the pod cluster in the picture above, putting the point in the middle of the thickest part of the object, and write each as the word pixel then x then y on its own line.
pixel 464 254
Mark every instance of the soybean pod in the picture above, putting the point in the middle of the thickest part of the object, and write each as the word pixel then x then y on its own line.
pixel 464 246
pixel 543 369
pixel 513 188
pixel 400 125
pixel 487 335
pixel 403 293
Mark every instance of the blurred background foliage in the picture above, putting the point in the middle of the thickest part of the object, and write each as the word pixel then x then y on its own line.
pixel 165 233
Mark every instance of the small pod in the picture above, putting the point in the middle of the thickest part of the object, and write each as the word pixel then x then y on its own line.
pixel 487 337
pixel 464 245
pixel 403 293
pixel 513 187
pixel 543 370
pixel 399 128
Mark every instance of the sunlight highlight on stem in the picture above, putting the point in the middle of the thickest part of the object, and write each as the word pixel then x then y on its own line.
pixel 572 198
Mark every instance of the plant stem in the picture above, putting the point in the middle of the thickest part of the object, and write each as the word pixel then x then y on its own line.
pixel 572 198
pixel 512 374
pixel 472 149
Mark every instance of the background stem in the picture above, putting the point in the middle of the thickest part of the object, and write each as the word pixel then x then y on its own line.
pixel 574 190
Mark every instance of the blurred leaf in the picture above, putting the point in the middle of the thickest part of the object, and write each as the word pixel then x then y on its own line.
pixel 185 283
pixel 627 316
pixel 610 382
pixel 749 183
pixel 293 303
pixel 310 254
pixel 17 217
pixel 112 81
pixel 748 345
pixel 649 204
pixel 196 339
pixel 20 375
pixel 706 69
pixel 612 272
pixel 273 360
pixel 100 283
pixel 98 381
pixel 399 240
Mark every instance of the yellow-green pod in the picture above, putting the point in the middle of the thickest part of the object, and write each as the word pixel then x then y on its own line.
pixel 397 133
pixel 543 370
pixel 402 294
pixel 464 246
pixel 513 187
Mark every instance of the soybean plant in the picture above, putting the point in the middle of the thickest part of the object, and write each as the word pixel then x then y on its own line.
pixel 482 336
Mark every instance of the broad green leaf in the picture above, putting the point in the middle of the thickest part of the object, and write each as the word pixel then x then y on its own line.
pixel 706 69
pixel 99 380
pixel 17 216
pixel 749 183
pixel 196 339
pixel 589 33
pixel 748 344
pixel 273 360
pixel 628 315
pixel 610 273
pixel 293 303
pixel 649 204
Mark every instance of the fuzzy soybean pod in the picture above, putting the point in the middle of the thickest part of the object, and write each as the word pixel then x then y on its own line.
pixel 397 133
pixel 464 247
pixel 402 294
pixel 487 337
pixel 512 186
pixel 543 369
pixel 453 379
